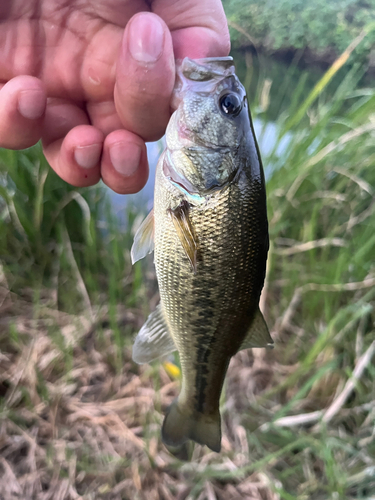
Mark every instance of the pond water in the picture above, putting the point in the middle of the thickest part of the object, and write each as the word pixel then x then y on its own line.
pixel 271 85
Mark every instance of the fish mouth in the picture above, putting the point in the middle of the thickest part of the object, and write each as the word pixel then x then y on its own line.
pixel 206 72
pixel 206 68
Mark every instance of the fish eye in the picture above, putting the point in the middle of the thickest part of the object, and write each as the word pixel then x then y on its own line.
pixel 230 104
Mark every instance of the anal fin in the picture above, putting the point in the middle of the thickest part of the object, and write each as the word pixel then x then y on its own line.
pixel 153 339
pixel 258 334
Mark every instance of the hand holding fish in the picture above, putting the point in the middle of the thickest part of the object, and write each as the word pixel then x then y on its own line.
pixel 93 79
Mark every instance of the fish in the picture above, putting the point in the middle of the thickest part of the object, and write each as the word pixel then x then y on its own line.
pixel 209 233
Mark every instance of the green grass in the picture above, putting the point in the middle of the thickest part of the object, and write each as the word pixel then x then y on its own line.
pixel 70 393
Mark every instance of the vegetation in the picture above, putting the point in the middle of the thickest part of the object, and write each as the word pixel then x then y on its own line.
pixel 325 28
pixel 79 420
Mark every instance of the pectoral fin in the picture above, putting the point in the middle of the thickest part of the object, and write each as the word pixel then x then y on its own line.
pixel 143 239
pixel 258 335
pixel 153 339
pixel 185 232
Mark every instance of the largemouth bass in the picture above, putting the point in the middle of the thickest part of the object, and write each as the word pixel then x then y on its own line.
pixel 209 232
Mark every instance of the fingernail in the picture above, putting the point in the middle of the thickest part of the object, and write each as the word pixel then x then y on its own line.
pixel 88 156
pixel 31 103
pixel 146 38
pixel 125 157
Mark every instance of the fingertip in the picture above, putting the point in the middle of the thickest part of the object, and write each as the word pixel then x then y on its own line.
pixel 76 158
pixel 22 109
pixel 145 38
pixel 88 156
pixel 32 103
pixel 124 163
pixel 145 76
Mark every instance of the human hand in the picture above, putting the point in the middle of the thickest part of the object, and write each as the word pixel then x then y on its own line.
pixel 71 76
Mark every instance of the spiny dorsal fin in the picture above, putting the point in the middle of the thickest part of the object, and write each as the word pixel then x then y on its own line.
pixel 143 239
pixel 153 339
pixel 185 232
pixel 258 334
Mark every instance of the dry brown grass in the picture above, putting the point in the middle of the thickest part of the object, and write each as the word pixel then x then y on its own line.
pixel 72 427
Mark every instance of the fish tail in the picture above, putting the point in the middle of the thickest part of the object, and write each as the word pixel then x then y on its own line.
pixel 178 427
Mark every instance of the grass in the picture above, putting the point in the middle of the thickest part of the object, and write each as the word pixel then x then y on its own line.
pixel 79 420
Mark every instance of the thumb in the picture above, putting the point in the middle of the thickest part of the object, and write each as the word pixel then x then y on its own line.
pixel 145 76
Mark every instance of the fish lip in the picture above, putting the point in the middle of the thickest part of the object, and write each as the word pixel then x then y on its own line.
pixel 214 66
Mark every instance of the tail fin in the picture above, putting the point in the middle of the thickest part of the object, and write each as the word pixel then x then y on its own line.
pixel 203 429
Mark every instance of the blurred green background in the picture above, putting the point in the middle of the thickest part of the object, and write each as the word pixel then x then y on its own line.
pixel 78 419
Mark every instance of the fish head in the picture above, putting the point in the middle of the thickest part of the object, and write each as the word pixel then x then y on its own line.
pixel 206 134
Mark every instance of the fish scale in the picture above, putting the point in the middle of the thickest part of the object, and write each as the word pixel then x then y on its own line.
pixel 210 241
pixel 217 302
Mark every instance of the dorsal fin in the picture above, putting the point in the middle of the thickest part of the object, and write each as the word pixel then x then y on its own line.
pixel 153 339
pixel 143 239
pixel 258 334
